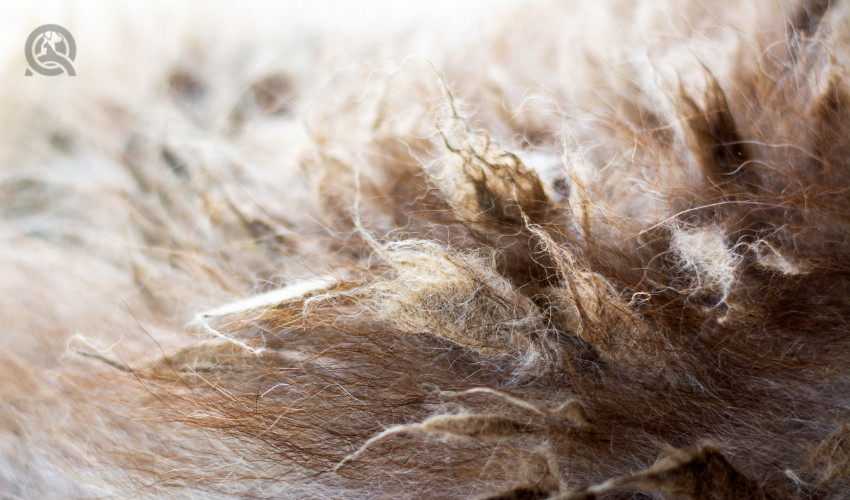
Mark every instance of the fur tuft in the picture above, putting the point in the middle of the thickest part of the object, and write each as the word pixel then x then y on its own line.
pixel 572 250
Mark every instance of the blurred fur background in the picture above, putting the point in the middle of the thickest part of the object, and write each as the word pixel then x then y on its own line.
pixel 561 250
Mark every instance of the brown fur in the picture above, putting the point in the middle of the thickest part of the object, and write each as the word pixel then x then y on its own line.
pixel 620 276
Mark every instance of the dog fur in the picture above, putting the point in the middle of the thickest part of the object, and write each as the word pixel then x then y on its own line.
pixel 550 250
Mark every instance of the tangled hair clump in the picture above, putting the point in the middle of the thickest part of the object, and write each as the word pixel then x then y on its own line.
pixel 598 252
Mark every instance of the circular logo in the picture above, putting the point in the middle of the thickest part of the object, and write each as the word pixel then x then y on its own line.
pixel 50 51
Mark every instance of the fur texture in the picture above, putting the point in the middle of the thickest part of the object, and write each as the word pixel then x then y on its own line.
pixel 549 250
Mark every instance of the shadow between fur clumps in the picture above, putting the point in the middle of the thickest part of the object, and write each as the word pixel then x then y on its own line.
pixel 662 315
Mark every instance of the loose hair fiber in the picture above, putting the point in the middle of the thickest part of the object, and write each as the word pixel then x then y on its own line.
pixel 552 251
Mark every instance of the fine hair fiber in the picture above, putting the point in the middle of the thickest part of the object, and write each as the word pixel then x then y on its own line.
pixel 485 250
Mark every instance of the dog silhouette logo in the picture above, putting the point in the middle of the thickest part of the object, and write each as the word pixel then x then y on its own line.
pixel 50 51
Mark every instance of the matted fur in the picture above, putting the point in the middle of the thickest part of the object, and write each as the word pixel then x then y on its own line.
pixel 548 250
